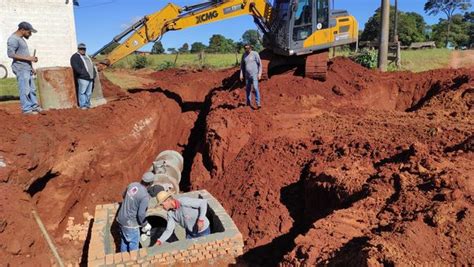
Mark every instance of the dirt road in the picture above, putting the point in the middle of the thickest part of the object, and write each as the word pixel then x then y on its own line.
pixel 462 58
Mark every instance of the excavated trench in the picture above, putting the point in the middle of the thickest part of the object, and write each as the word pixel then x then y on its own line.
pixel 233 151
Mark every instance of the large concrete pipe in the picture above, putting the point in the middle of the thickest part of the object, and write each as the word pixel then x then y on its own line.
pixel 172 156
pixel 167 167
pixel 56 88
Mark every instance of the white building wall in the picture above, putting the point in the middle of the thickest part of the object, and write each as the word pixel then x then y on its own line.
pixel 55 40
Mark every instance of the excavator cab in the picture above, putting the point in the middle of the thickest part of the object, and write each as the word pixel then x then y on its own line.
pixel 302 31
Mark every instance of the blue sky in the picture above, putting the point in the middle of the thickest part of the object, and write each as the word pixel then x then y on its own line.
pixel 98 21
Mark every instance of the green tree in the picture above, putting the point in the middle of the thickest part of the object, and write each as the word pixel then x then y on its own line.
pixel 197 47
pixel 469 17
pixel 411 27
pixel 219 44
pixel 184 49
pixel 448 7
pixel 252 37
pixel 157 48
pixel 458 33
pixel 172 50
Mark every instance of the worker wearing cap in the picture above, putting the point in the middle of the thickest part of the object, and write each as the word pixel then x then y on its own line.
pixel 132 213
pixel 85 73
pixel 190 213
pixel 22 66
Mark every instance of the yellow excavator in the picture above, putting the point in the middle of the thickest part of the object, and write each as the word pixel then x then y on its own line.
pixel 294 31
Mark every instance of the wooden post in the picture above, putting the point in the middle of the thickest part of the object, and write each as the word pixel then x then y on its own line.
pixel 399 56
pixel 201 58
pixel 395 23
pixel 176 59
pixel 384 35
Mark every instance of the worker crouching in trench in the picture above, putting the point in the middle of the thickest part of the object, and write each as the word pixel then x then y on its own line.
pixel 190 213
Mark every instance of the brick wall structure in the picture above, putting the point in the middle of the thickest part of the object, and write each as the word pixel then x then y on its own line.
pixel 222 246
pixel 55 40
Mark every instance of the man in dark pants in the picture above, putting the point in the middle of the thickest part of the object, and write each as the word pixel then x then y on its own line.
pixel 85 73
pixel 22 66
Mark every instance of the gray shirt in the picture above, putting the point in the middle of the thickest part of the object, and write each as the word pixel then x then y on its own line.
pixel 89 66
pixel 132 213
pixel 251 64
pixel 187 214
pixel 16 45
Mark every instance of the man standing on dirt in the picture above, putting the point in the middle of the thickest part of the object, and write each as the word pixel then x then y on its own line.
pixel 190 213
pixel 132 213
pixel 251 71
pixel 22 66
pixel 85 73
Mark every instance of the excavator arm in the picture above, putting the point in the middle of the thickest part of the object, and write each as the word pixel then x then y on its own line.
pixel 172 17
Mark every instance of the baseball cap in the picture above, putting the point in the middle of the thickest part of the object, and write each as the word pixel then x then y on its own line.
pixel 148 177
pixel 81 46
pixel 26 26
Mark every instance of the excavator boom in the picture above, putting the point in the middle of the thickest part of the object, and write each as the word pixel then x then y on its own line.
pixel 172 18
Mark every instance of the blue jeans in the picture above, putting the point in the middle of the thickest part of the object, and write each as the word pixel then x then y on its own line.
pixel 129 238
pixel 84 92
pixel 249 81
pixel 190 235
pixel 27 90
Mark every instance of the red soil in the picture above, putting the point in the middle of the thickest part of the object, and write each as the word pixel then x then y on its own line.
pixel 364 168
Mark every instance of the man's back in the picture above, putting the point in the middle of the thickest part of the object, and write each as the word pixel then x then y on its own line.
pixel 136 196
pixel 17 45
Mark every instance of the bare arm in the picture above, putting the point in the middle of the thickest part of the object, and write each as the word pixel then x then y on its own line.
pixel 169 228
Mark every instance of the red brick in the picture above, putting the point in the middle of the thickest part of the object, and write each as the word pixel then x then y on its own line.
pixel 95 263
pixel 125 256
pixel 143 252
pixel 109 259
pixel 118 258
pixel 134 255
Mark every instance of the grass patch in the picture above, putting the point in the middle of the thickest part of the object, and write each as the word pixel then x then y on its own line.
pixel 165 61
pixel 8 89
pixel 425 59
pixel 416 60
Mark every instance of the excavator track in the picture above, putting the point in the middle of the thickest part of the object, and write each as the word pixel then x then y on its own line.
pixel 317 66
pixel 265 58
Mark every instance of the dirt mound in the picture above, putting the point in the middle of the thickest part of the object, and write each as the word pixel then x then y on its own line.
pixel 300 175
pixel 365 167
